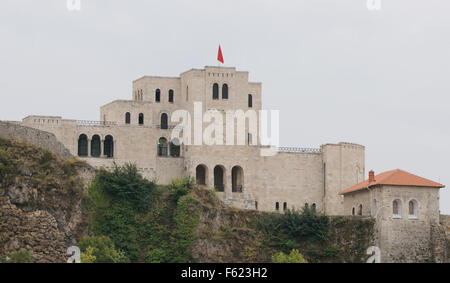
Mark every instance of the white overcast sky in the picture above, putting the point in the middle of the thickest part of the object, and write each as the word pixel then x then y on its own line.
pixel 334 69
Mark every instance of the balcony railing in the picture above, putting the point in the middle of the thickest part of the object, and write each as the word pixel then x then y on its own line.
pixel 237 189
pixel 169 127
pixel 298 149
pixel 95 123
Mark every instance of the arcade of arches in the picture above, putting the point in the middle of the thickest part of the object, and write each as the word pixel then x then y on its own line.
pixel 95 147
pixel 219 181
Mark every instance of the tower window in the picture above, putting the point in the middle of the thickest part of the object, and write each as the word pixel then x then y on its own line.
pixel 250 101
pixel 141 119
pixel 164 121
pixel 397 209
pixel 224 91
pixel 171 96
pixel 127 118
pixel 413 209
pixel 158 95
pixel 162 147
pixel 215 91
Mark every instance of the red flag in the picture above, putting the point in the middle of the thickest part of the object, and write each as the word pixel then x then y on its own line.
pixel 219 55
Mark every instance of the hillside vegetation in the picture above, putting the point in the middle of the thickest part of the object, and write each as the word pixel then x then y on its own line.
pixel 122 217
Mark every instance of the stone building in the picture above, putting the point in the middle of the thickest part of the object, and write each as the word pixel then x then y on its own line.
pixel 139 131
pixel 406 209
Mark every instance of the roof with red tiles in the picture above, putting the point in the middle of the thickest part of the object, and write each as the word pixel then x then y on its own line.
pixel 395 177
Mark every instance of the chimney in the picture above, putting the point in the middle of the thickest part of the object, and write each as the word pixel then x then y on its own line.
pixel 371 176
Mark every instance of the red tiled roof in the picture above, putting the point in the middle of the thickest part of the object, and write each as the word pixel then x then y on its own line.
pixel 395 177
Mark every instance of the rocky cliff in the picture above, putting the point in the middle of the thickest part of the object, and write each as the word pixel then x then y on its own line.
pixel 41 195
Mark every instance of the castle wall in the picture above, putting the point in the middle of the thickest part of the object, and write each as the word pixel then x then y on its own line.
pixel 41 139
pixel 294 178
pixel 343 168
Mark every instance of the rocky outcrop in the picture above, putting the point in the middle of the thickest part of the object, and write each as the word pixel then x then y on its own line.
pixel 42 200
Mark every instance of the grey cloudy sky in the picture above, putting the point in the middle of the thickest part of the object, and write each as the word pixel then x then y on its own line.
pixel 334 69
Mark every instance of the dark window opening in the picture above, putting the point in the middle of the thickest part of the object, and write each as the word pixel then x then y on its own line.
pixel 250 100
pixel 83 145
pixel 108 148
pixel 162 147
pixel 171 96
pixel 218 178
pixel 277 206
pixel 175 148
pixel 284 206
pixel 215 91
pixel 141 119
pixel 158 95
pixel 164 121
pixel 127 118
pixel 237 179
pixel 95 146
pixel 200 175
pixel 224 91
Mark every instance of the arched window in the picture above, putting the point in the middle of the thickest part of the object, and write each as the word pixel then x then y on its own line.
pixel 127 118
pixel 237 179
pixel 360 210
pixel 413 209
pixel 171 96
pixel 158 95
pixel 95 146
pixel 313 207
pixel 215 91
pixel 224 91
pixel 108 146
pixel 162 147
pixel 250 101
pixel 218 178
pixel 141 119
pixel 397 208
pixel 353 211
pixel 82 145
pixel 164 121
pixel 284 206
pixel 175 148
pixel 277 206
pixel 201 175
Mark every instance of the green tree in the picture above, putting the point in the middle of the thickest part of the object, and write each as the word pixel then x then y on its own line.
pixel 293 257
pixel 100 249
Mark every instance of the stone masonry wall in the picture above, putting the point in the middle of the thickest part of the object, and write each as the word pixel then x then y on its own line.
pixel 36 137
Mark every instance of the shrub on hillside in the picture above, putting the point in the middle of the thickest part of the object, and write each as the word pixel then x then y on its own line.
pixel 100 249
pixel 293 257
